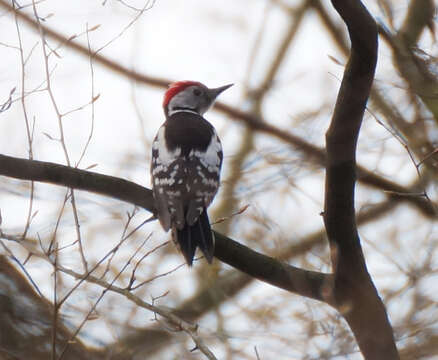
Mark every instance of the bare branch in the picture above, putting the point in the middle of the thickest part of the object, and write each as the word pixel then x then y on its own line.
pixel 353 291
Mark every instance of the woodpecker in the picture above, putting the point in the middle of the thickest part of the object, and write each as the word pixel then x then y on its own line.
pixel 186 164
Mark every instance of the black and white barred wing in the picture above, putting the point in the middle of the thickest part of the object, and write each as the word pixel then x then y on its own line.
pixel 204 176
pixel 167 179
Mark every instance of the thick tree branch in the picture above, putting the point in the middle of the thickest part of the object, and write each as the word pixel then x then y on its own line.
pixel 262 267
pixel 304 282
pixel 354 293
pixel 77 179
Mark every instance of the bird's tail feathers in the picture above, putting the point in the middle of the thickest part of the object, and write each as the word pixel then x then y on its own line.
pixel 197 235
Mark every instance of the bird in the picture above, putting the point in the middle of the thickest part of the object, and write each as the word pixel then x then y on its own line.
pixel 185 167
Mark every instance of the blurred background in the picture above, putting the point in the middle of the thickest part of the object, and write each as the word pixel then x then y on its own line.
pixel 286 59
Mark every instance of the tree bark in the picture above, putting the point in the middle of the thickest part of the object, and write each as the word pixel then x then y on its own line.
pixel 354 293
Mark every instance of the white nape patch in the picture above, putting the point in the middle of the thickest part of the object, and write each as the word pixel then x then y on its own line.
pixel 171 112
pixel 210 158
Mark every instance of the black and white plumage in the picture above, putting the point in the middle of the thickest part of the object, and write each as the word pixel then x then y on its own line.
pixel 186 163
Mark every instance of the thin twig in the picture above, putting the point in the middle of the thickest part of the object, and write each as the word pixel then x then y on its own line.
pixel 411 157
pixel 160 275
pixel 93 308
pixel 56 308
pixel 149 4
pixel 125 229
pixel 109 253
pixel 26 120
pixel 22 267
pixel 58 221
pixel 179 323
pixel 92 101
pixel 61 133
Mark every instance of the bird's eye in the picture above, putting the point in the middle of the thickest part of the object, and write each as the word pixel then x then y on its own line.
pixel 196 92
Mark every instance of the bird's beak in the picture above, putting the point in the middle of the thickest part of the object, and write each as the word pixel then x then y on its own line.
pixel 216 91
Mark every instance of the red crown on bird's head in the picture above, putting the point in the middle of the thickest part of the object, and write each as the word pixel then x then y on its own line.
pixel 176 87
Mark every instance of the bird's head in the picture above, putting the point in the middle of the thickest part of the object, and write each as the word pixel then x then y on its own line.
pixel 190 96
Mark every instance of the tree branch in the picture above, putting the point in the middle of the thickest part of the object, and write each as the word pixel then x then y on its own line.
pixel 354 293
pixel 262 267
pixel 77 179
